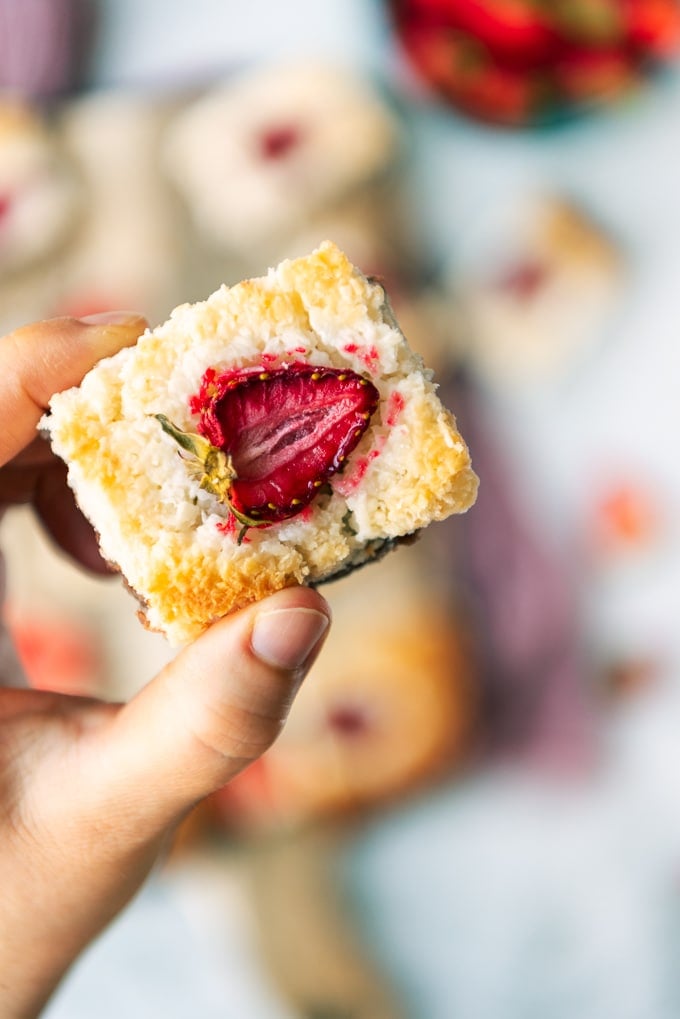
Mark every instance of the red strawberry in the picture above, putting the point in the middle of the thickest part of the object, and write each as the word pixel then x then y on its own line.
pixel 598 23
pixel 503 95
pixel 653 26
pixel 515 31
pixel 463 73
pixel 274 437
pixel 593 75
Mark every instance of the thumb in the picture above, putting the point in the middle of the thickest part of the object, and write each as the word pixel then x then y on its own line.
pixel 219 705
pixel 41 359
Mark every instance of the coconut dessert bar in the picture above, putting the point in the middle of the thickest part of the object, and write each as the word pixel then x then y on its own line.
pixel 280 432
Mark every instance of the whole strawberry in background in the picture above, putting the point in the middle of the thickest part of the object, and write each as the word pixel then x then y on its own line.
pixel 518 62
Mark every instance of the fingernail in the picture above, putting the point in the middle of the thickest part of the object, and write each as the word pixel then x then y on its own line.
pixel 113 331
pixel 112 318
pixel 285 638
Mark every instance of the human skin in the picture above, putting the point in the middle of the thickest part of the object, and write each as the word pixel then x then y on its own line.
pixel 90 791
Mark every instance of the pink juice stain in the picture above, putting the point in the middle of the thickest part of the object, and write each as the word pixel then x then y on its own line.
pixel 395 407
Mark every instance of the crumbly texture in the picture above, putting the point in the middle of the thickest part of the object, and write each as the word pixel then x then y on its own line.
pixel 176 544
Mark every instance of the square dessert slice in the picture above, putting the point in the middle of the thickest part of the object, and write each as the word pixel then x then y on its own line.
pixel 280 432
pixel 540 296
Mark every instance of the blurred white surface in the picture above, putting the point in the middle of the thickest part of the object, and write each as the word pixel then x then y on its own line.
pixel 510 897
pixel 184 948
pixel 155 42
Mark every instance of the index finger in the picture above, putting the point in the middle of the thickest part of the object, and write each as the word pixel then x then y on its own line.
pixel 39 360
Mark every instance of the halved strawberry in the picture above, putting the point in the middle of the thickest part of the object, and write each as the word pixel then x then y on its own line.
pixel 270 439
pixel 517 32
pixel 463 72
pixel 653 27
pixel 596 23
pixel 595 75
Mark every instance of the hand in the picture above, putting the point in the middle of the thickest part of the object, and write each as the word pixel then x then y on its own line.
pixel 89 791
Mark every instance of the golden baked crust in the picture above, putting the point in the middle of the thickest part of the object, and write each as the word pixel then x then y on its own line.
pixel 173 541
